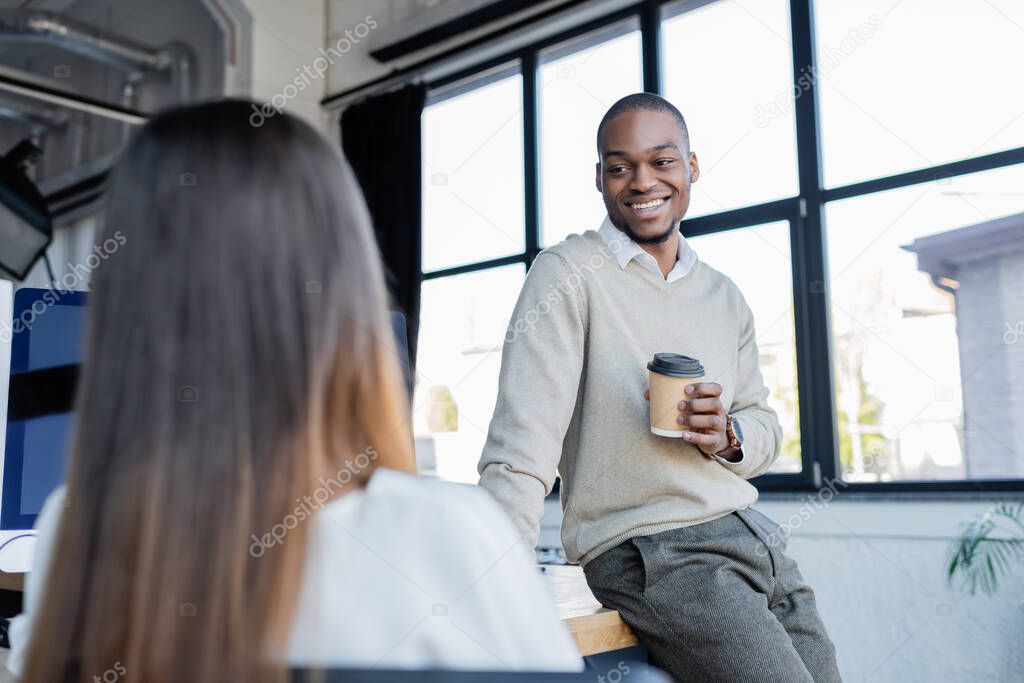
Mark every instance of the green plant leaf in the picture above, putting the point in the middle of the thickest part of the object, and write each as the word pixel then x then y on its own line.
pixel 988 549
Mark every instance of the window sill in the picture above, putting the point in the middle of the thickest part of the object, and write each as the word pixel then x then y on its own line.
pixel 882 495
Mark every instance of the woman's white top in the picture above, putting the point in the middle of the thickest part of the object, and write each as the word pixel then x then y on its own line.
pixel 409 572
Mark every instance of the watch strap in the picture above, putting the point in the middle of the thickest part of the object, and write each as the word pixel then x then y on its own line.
pixel 734 441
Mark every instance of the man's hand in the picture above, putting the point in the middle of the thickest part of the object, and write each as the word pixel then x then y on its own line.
pixel 704 416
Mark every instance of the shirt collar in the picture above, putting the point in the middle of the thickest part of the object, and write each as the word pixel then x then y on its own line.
pixel 625 249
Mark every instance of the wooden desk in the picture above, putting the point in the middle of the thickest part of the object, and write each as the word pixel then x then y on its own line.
pixel 595 628
pixel 12 582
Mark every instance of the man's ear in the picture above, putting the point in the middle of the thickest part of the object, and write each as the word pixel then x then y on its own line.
pixel 597 177
pixel 694 168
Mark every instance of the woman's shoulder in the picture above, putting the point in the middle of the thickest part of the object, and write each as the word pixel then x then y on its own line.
pixel 20 628
pixel 421 490
pixel 418 555
pixel 409 527
pixel 432 501
pixel 403 510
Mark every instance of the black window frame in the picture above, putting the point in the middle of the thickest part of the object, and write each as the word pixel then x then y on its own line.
pixel 804 213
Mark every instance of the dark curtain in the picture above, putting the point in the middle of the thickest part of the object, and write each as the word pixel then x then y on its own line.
pixel 381 139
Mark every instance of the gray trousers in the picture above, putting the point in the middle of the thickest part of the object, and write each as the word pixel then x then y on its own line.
pixel 718 601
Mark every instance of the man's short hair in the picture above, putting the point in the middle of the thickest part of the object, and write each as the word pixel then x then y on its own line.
pixel 642 101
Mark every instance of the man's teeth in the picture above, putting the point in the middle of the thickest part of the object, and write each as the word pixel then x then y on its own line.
pixel 650 204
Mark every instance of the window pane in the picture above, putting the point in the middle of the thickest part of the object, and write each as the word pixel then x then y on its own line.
pixel 576 90
pixel 926 314
pixel 473 176
pixel 462 327
pixel 912 84
pixel 729 69
pixel 758 260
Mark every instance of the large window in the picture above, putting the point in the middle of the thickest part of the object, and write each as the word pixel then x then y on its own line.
pixel 758 260
pixel 472 212
pixel 463 320
pixel 925 284
pixel 578 82
pixel 860 182
pixel 729 69
pixel 473 175
pixel 474 221
pixel 895 96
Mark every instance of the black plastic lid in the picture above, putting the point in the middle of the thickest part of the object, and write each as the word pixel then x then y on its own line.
pixel 676 365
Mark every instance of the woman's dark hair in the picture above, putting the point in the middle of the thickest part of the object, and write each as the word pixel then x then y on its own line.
pixel 238 350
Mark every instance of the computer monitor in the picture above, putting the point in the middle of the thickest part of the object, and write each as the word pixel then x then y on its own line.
pixel 46 340
pixel 45 356
pixel 41 332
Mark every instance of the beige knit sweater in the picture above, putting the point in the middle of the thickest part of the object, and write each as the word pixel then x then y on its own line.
pixel 573 375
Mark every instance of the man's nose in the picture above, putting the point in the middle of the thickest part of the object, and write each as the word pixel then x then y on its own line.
pixel 643 179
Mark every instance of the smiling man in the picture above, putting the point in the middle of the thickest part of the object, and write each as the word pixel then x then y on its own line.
pixel 662 526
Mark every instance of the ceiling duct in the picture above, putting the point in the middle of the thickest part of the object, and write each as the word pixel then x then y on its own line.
pixel 80 75
pixel 84 40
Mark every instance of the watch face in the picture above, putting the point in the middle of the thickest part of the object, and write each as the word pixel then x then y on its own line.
pixel 736 430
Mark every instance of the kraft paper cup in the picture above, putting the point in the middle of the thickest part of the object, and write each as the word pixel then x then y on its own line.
pixel 670 373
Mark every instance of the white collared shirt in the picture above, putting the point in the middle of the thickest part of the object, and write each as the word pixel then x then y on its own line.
pixel 686 257
pixel 457 550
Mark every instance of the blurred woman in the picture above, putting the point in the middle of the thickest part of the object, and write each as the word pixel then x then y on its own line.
pixel 241 494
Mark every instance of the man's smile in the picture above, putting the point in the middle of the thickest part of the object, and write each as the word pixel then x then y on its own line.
pixel 646 207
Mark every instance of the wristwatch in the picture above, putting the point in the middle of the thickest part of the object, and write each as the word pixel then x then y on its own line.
pixel 733 431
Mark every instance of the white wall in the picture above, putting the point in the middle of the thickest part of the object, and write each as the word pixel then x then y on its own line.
pixel 356 67
pixel 393 19
pixel 286 38
pixel 878 570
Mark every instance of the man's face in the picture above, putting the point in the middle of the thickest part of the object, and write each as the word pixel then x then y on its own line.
pixel 644 174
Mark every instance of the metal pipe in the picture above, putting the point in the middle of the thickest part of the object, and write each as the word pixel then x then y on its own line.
pixel 32 117
pixel 82 39
pixel 77 102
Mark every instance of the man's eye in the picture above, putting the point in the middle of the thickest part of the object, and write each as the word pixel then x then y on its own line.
pixel 616 169
pixel 664 162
